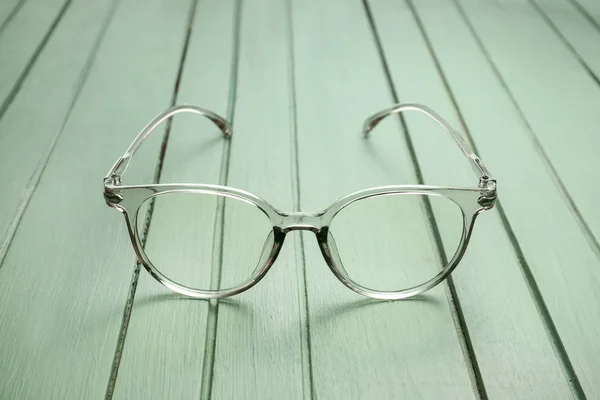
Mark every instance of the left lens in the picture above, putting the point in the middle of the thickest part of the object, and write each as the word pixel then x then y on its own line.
pixel 396 241
pixel 205 241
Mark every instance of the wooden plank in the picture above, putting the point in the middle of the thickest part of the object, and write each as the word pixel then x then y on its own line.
pixel 259 348
pixel 37 114
pixel 66 276
pixel 386 349
pixel 164 349
pixel 528 363
pixel 261 368
pixel 8 9
pixel 537 73
pixel 590 10
pixel 576 32
pixel 546 115
pixel 23 40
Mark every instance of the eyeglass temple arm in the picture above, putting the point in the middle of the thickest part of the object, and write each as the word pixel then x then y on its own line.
pixel 478 166
pixel 120 166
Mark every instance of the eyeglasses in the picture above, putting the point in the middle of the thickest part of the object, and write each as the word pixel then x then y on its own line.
pixel 396 221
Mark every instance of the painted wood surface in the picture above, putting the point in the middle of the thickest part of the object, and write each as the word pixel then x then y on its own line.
pixel 360 346
pixel 498 324
pixel 63 302
pixel 575 272
pixel 575 31
pixel 166 332
pixel 22 41
pixel 259 348
pixel 590 9
pixel 35 116
pixel 8 9
pixel 79 319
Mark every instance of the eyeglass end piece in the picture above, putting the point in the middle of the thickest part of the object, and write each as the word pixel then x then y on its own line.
pixel 368 126
pixel 224 127
pixel 372 122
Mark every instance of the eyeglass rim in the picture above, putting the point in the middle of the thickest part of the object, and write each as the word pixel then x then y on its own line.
pixel 133 196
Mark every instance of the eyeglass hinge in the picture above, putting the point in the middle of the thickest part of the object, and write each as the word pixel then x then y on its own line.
pixel 112 180
pixel 488 192
pixel 111 191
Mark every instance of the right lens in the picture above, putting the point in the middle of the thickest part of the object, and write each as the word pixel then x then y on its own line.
pixel 393 242
pixel 205 241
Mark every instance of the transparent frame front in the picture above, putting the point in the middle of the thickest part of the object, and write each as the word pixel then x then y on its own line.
pixel 129 198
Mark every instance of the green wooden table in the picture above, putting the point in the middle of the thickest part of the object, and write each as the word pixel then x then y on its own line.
pixel 79 78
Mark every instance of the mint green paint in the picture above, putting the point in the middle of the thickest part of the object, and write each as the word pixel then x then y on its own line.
pixel 258 342
pixel 36 116
pixel 66 276
pixel 545 80
pixel 498 324
pixel 21 37
pixel 386 349
pixel 163 352
pixel 576 30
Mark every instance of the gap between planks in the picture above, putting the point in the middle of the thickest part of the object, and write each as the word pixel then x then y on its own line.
pixel 304 317
pixel 223 178
pixel 571 205
pixel 586 14
pixel 565 41
pixel 11 15
pixel 212 317
pixel 584 226
pixel 36 53
pixel 534 290
pixel 34 180
pixel 157 174
pixel 453 300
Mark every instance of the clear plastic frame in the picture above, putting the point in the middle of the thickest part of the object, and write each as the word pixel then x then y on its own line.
pixel 129 198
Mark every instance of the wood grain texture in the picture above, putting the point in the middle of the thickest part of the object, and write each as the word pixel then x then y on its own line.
pixel 258 351
pixel 591 10
pixel 565 268
pixel 8 9
pixel 34 120
pixel 164 348
pixel 551 87
pixel 512 348
pixel 66 277
pixel 575 30
pixel 386 349
pixel 297 85
pixel 21 39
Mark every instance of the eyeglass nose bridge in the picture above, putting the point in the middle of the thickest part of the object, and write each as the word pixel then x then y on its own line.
pixel 301 221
